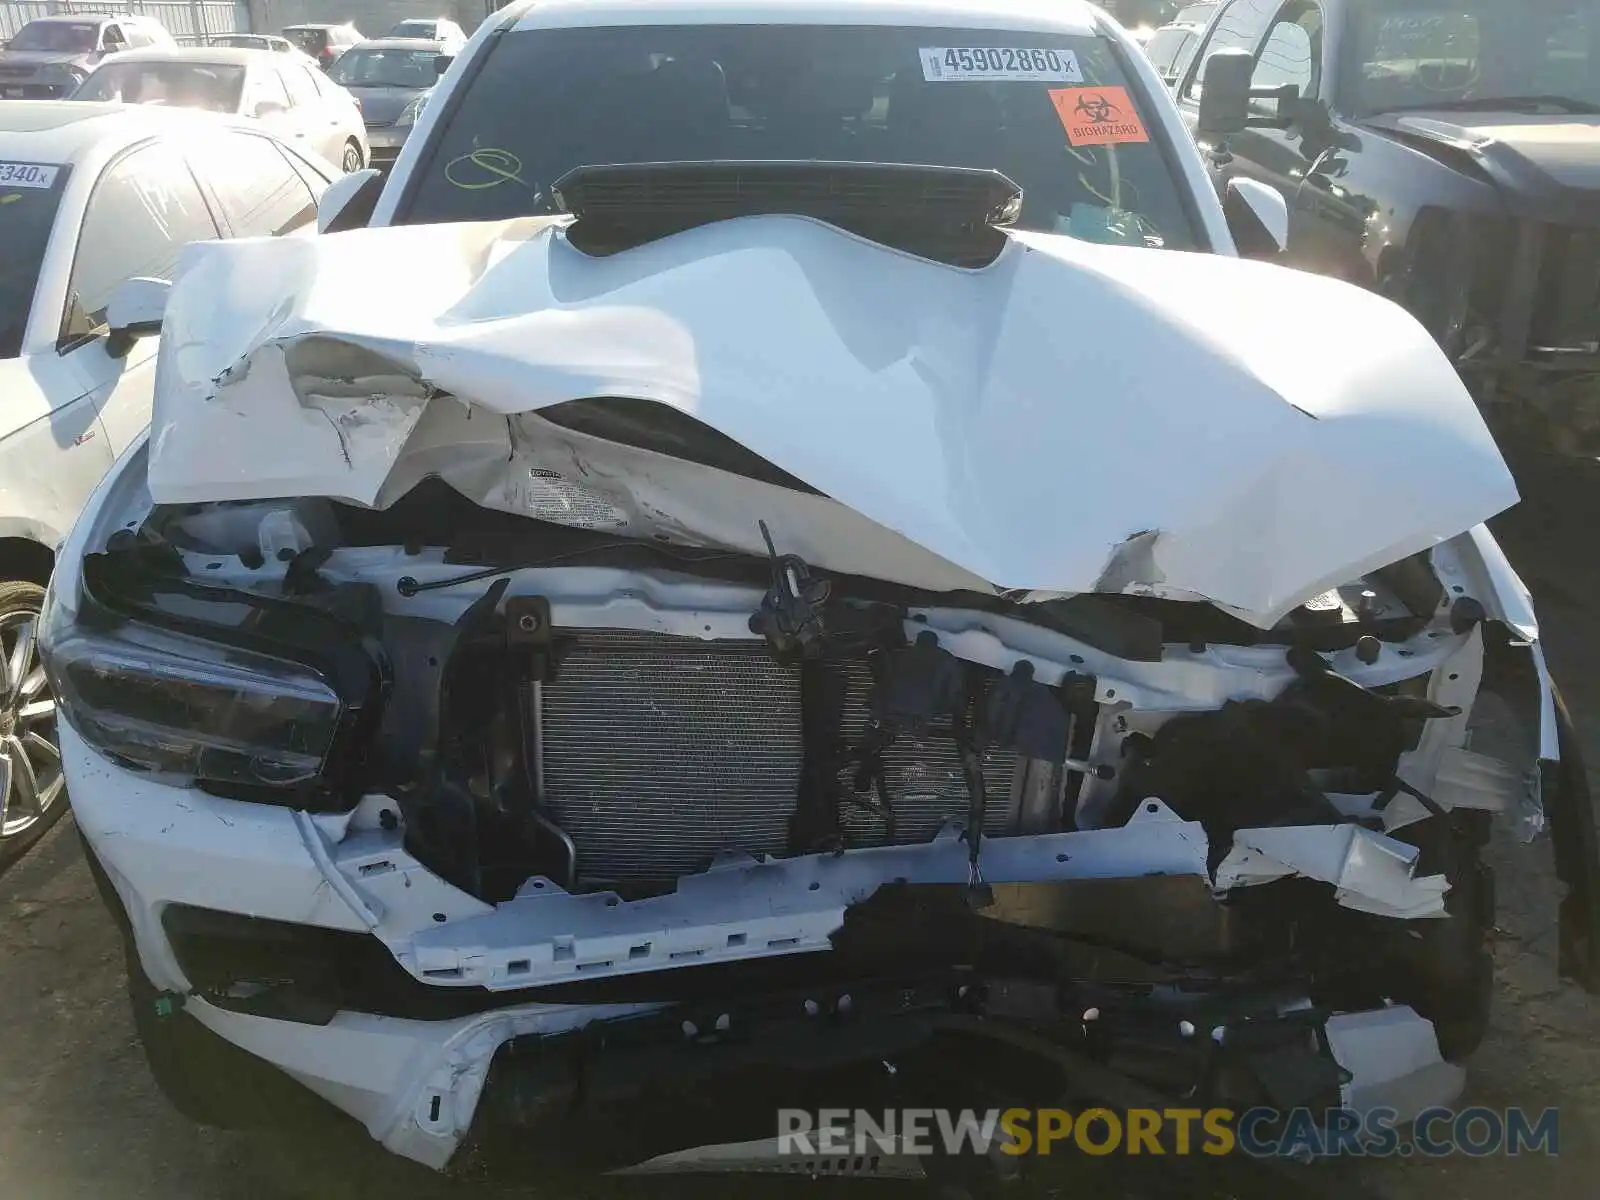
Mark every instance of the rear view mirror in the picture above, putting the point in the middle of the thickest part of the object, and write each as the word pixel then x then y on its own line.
pixel 1225 92
pixel 441 63
pixel 349 201
pixel 1258 218
pixel 135 310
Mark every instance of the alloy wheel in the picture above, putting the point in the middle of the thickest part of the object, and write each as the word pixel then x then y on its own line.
pixel 31 779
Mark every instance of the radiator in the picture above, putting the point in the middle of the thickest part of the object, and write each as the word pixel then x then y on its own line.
pixel 662 751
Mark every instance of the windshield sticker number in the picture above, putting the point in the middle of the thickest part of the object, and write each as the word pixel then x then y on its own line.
pixel 26 175
pixel 1098 116
pixel 1004 64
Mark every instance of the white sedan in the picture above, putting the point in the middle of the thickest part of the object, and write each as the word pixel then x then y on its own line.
pixel 92 195
pixel 291 97
pixel 773 516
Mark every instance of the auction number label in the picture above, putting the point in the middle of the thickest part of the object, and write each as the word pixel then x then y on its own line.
pixel 28 175
pixel 1005 64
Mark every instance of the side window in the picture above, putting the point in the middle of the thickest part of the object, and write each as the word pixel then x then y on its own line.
pixel 302 92
pixel 1165 47
pixel 1291 55
pixel 265 92
pixel 113 38
pixel 1241 27
pixel 143 212
pixel 261 194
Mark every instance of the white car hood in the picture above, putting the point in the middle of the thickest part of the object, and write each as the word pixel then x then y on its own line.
pixel 1072 418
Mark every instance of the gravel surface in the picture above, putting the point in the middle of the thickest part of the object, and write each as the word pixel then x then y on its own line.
pixel 80 1117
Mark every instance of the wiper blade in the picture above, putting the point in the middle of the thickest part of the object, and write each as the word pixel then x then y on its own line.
pixel 1569 104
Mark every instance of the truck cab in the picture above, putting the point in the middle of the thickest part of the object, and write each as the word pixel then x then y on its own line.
pixel 1446 155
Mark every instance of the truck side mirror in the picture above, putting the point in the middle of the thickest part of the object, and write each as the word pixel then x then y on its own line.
pixel 1225 93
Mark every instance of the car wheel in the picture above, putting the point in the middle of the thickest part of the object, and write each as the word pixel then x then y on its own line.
pixel 33 790
pixel 352 158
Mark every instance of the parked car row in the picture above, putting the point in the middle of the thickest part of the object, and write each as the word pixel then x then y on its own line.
pixel 632 608
pixel 306 85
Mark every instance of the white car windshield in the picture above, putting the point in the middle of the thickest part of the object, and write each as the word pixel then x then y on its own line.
pixel 1060 116
pixel 29 196
pixel 212 86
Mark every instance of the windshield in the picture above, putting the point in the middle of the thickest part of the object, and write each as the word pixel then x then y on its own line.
pixel 1056 114
pixel 1422 53
pixel 77 37
pixel 242 41
pixel 29 194
pixel 310 40
pixel 385 68
pixel 414 29
pixel 212 86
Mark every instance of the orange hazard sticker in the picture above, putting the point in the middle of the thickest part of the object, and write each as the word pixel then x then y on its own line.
pixel 1098 116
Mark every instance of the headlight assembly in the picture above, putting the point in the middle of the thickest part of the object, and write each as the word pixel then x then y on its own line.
pixel 196 684
pixel 413 110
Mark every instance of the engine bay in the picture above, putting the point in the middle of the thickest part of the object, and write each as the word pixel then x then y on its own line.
pixel 630 716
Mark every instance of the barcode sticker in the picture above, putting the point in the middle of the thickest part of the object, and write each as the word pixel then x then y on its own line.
pixel 1005 64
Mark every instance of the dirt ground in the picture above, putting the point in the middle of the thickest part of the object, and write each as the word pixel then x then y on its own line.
pixel 80 1117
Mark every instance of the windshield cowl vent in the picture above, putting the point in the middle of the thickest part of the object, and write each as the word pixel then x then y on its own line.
pixel 948 214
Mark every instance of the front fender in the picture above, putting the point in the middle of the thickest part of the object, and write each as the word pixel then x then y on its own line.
pixel 1564 785
pixel 1515 668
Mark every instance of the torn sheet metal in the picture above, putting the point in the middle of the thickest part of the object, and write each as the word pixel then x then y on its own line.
pixel 1370 873
pixel 1393 1061
pixel 742 907
pixel 1072 417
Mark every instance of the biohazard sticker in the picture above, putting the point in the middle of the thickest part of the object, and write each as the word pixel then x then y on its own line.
pixel 1098 116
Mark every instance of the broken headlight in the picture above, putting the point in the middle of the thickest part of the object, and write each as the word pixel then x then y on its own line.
pixel 262 697
pixel 178 706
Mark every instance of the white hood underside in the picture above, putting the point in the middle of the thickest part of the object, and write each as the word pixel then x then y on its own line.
pixel 1072 418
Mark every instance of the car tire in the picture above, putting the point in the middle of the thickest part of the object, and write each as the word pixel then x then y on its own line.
pixel 33 792
pixel 352 157
pixel 1450 962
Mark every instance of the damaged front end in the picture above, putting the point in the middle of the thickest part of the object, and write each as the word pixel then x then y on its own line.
pixel 601 752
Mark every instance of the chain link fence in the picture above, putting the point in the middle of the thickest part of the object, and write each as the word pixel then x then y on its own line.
pixel 190 21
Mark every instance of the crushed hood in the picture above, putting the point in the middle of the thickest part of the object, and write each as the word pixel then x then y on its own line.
pixel 1072 418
